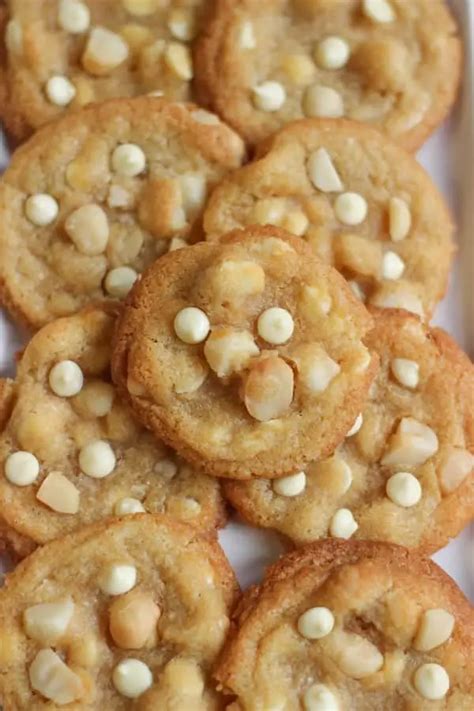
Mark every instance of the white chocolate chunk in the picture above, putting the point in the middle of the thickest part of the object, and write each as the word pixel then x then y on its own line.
pixel 343 524
pixel 41 209
pixel 378 10
pixel 356 426
pixel 398 298
pixel 399 216
pixel 269 96
pixel 316 368
pixel 275 325
pixel 47 622
pixel 178 58
pixel 290 485
pixel 268 389
pixel 117 579
pixel 404 489
pixel 53 679
pixel 128 160
pixel 350 208
pixel 393 266
pixel 60 90
pixel 97 459
pixel 142 8
pixel 322 172
pixel 407 372
pixel 193 191
pixel 128 505
pixel 322 102
pixel 66 378
pixel 332 53
pixel 21 468
pixel 88 229
pixel 315 623
pixel 456 464
pixel 228 350
pixel 247 36
pixel 436 627
pixel 431 681
pixel 191 325
pixel 320 698
pixel 104 52
pixel 269 211
pixel 60 494
pixel 358 657
pixel 74 16
pixel 119 281
pixel 296 222
pixel 132 678
pixel 14 37
pixel 181 24
pixel 412 444
pixel 206 118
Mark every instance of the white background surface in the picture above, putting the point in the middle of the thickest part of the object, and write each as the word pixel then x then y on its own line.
pixel 448 156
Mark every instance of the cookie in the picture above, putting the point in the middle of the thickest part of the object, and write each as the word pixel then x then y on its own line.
pixel 357 625
pixel 405 473
pixel 362 203
pixel 90 201
pixel 71 453
pixel 391 63
pixel 130 614
pixel 61 55
pixel 246 356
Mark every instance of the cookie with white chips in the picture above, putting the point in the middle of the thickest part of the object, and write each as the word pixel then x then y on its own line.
pixel 128 614
pixel 354 625
pixel 70 451
pixel 405 472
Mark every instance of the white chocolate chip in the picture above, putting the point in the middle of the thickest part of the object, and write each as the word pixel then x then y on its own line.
pixel 178 58
pixel 53 679
pixel 399 219
pixel 378 10
pixel 191 325
pixel 343 524
pixel 97 459
pixel 14 37
pixel 21 468
pixel 59 494
pixel 181 24
pixel 247 36
pixel 104 52
pixel 60 90
pixel 119 281
pixel 117 579
pixel 315 623
pixel 74 16
pixel 393 266
pixel 322 102
pixel 290 485
pixel 412 444
pixel 456 464
pixel 132 678
pixel 193 191
pixel 66 378
pixel 228 350
pixel 350 208
pixel 88 229
pixel 404 489
pixel 268 390
pixel 41 209
pixel 407 372
pixel 127 506
pixel 322 172
pixel 320 698
pixel 128 160
pixel 275 325
pixel 205 117
pixel 47 623
pixel 132 620
pixel 269 96
pixel 431 681
pixel 356 426
pixel 332 53
pixel 436 627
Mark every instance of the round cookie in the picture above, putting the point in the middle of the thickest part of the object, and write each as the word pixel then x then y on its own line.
pixel 406 473
pixel 90 201
pixel 357 625
pixel 246 356
pixel 129 614
pixel 362 203
pixel 391 63
pixel 61 55
pixel 71 453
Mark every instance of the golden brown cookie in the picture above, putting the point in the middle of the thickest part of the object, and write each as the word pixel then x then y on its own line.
pixel 61 55
pixel 362 203
pixel 71 453
pixel 247 355
pixel 92 200
pixel 130 614
pixel 391 63
pixel 358 625
pixel 406 474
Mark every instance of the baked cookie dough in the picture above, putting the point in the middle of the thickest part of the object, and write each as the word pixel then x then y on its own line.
pixel 71 453
pixel 92 200
pixel 362 203
pixel 61 55
pixel 395 64
pixel 245 356
pixel 405 473
pixel 129 614
pixel 356 625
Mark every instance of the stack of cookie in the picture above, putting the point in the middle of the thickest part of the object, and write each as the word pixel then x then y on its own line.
pixel 231 301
